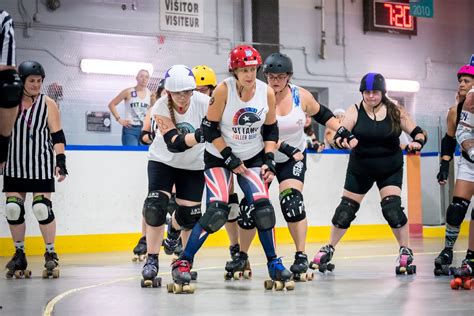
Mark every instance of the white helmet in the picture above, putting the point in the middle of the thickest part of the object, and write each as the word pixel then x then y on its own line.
pixel 179 78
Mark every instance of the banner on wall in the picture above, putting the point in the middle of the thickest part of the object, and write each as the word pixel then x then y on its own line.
pixel 182 16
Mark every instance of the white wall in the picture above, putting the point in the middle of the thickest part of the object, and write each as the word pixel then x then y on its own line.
pixel 105 190
pixel 100 29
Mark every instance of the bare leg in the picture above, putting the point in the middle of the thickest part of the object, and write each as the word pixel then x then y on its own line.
pixel 246 238
pixel 154 238
pixel 233 232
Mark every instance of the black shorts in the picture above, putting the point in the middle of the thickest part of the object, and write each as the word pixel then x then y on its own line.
pixel 291 169
pixel 363 172
pixel 211 161
pixel 27 185
pixel 189 183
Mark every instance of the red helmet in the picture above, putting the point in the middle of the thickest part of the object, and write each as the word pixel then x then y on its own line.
pixel 466 70
pixel 244 56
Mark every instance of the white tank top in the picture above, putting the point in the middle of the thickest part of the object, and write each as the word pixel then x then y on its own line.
pixel 291 126
pixel 242 122
pixel 135 108
pixel 193 158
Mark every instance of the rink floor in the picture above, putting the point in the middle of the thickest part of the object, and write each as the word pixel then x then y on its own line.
pixel 364 282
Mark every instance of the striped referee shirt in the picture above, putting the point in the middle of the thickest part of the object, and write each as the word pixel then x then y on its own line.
pixel 30 153
pixel 7 40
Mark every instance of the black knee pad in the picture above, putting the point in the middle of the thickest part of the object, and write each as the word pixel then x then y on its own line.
pixel 345 213
pixel 392 211
pixel 292 206
pixel 11 88
pixel 43 209
pixel 15 211
pixel 457 211
pixel 264 214
pixel 245 219
pixel 154 208
pixel 187 216
pixel 215 217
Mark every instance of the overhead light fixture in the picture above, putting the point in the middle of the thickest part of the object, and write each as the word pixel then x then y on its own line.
pixel 114 67
pixel 402 85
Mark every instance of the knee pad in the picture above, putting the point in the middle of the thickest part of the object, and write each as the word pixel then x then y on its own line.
pixel 154 208
pixel 215 217
pixel 264 214
pixel 11 88
pixel 187 216
pixel 234 207
pixel 245 219
pixel 15 211
pixel 292 206
pixel 457 211
pixel 392 211
pixel 345 213
pixel 42 208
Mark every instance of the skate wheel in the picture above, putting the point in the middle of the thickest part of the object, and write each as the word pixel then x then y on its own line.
pixel 188 288
pixel 313 265
pixel 135 259
pixel 144 283
pixel 45 274
pixel 310 276
pixel 169 287
pixel 458 281
pixel 397 270
pixel 454 285
pixel 27 274
pixel 9 275
pixel 290 285
pixel 237 275
pixel 194 275
pixel 410 269
pixel 227 276
pixel 268 284
pixel 279 286
pixel 437 272
pixel 322 268
pixel 18 274
pixel 467 284
pixel 55 273
pixel 330 267
pixel 247 274
pixel 177 288
pixel 141 258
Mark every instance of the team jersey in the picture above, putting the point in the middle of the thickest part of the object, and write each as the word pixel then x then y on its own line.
pixel 242 122
pixel 291 126
pixel 135 108
pixel 193 158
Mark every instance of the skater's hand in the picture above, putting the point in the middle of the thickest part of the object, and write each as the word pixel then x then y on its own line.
pixel 443 172
pixel 232 162
pixel 60 170
pixel 268 170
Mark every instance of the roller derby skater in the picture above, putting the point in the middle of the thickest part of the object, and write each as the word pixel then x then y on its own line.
pixel 321 260
pixel 405 259
pixel 238 267
pixel 463 188
pixel 150 272
pixel 17 266
pixel 139 252
pixel 40 116
pixel 377 123
pixel 280 276
pixel 293 104
pixel 463 275
pixel 181 274
pixel 51 265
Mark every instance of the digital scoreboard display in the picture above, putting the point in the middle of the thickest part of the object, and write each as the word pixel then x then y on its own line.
pixel 389 17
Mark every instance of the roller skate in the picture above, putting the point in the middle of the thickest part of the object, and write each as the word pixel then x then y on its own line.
pixel 234 250
pixel 51 264
pixel 150 272
pixel 443 262
pixel 17 266
pixel 238 267
pixel 405 259
pixel 280 276
pixel 299 268
pixel 463 275
pixel 321 260
pixel 181 274
pixel 139 252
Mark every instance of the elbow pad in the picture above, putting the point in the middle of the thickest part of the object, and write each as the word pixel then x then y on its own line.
pixel 324 114
pixel 270 132
pixel 178 145
pixel 58 137
pixel 210 130
pixel 448 146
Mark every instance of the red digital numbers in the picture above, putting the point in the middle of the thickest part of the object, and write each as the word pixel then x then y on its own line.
pixel 399 15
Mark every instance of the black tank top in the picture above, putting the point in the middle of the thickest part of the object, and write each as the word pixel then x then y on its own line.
pixel 458 118
pixel 376 138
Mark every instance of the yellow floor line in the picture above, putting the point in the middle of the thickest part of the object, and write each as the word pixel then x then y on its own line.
pixel 48 310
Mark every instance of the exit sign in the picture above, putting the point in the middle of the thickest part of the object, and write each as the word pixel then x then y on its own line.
pixel 421 8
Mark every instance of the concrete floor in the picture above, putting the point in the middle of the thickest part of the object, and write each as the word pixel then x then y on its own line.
pixel 364 282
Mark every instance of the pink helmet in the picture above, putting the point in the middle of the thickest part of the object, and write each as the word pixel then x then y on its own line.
pixel 466 70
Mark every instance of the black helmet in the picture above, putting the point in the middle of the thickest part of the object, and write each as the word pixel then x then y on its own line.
pixel 278 63
pixel 373 81
pixel 28 68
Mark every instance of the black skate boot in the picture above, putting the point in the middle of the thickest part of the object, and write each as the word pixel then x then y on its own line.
pixel 150 272
pixel 17 266
pixel 299 268
pixel 172 244
pixel 139 252
pixel 238 267
pixel 463 275
pixel 280 276
pixel 181 274
pixel 443 262
pixel 234 250
pixel 51 264
pixel 321 260
pixel 405 259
